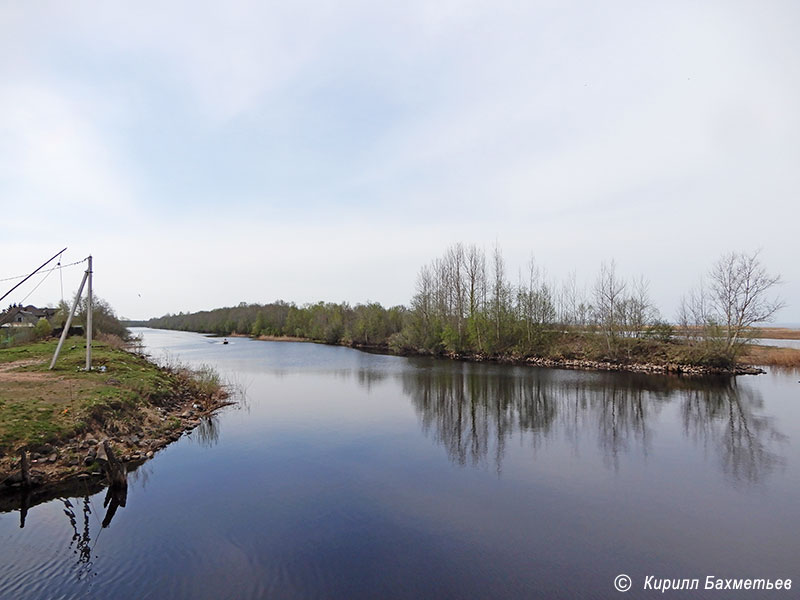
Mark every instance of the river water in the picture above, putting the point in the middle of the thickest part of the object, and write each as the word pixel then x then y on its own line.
pixel 344 474
pixel 778 343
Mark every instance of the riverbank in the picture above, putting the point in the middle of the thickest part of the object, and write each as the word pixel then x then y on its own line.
pixel 61 417
pixel 587 364
pixel 661 358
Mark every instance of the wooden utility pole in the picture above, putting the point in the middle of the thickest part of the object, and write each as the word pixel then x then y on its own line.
pixel 89 318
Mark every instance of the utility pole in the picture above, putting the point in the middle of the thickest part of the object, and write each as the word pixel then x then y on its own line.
pixel 87 276
pixel 89 318
pixel 65 332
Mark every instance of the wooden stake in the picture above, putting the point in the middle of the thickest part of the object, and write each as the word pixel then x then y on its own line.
pixel 25 465
pixel 115 470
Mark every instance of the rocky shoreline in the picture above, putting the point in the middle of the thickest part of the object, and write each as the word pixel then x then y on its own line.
pixel 61 465
pixel 577 363
pixel 670 368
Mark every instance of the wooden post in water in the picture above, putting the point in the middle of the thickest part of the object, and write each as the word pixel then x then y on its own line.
pixel 115 470
pixel 25 466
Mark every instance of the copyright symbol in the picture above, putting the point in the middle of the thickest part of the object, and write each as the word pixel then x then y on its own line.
pixel 622 583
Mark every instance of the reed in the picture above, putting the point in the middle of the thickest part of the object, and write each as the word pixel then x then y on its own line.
pixel 771 356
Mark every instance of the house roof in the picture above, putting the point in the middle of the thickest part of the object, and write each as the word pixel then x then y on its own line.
pixel 29 314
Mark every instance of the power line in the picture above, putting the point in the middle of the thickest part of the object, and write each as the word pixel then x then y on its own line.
pixel 36 287
pixel 77 262
pixel 35 271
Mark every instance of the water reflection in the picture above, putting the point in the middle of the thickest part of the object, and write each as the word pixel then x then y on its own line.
pixel 473 412
pixel 81 542
pixel 207 432
pixel 328 490
pixel 116 497
pixel 368 378
pixel 726 419
pixel 624 416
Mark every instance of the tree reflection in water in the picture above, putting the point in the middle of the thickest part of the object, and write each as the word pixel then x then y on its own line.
pixel 726 418
pixel 472 409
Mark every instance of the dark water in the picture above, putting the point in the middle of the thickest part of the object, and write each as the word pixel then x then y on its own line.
pixel 354 475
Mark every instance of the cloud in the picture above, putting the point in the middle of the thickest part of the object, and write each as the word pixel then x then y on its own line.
pixel 292 149
pixel 55 162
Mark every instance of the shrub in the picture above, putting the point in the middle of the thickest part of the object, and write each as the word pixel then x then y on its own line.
pixel 42 329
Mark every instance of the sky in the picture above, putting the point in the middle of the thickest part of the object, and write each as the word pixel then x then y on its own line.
pixel 208 154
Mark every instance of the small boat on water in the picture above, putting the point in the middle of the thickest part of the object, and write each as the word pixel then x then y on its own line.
pixel 224 341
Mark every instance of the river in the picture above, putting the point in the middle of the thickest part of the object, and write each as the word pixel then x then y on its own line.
pixel 345 474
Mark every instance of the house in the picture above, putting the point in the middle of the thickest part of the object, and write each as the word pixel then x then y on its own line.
pixel 25 316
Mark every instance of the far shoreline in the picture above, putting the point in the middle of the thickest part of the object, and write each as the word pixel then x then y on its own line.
pixel 655 368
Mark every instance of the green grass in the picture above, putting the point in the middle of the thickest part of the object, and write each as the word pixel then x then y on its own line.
pixel 41 406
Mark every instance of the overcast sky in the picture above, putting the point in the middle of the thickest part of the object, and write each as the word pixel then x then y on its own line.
pixel 213 153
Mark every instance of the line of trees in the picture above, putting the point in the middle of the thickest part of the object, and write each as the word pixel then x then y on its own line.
pixel 465 303
pixel 363 324
pixel 104 317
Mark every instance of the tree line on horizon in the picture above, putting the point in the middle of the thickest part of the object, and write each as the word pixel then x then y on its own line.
pixel 464 303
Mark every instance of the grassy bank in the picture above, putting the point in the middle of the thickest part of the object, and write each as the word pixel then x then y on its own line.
pixel 59 416
pixel 776 333
pixel 587 351
pixel 772 356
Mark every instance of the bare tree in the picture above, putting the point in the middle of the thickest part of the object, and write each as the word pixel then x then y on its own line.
pixel 535 304
pixel 693 315
pixel 609 293
pixel 475 270
pixel 568 301
pixel 637 311
pixel 476 278
pixel 455 262
pixel 740 295
pixel 423 299
pixel 500 293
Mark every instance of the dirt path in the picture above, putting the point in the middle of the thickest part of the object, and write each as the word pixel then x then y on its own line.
pixel 18 364
pixel 8 372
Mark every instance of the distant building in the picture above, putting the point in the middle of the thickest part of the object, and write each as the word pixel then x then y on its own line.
pixel 25 316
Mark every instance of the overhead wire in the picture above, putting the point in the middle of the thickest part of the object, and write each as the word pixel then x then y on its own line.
pixel 36 270
pixel 77 262
pixel 36 287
